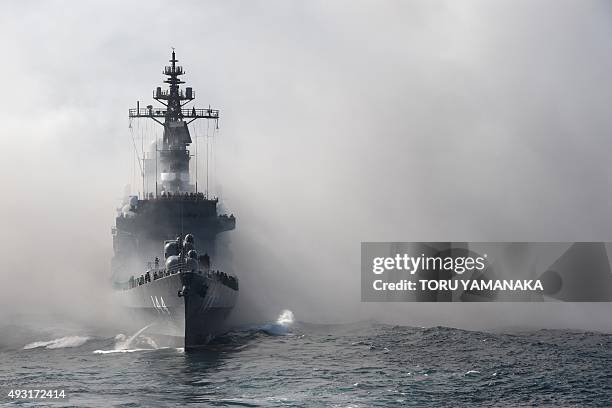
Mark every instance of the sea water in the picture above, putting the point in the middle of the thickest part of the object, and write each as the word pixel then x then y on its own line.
pixel 290 364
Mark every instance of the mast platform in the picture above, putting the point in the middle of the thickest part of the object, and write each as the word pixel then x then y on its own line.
pixel 185 113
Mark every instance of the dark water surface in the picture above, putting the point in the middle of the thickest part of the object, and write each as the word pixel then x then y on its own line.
pixel 302 365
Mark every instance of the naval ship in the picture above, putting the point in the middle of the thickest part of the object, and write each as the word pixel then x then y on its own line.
pixel 166 268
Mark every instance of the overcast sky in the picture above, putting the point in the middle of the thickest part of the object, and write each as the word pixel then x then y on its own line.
pixel 341 122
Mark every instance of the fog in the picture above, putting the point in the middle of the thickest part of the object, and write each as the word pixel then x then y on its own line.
pixel 341 122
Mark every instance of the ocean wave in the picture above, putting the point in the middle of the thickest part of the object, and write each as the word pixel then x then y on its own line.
pixel 62 342
pixel 133 343
pixel 113 351
pixel 282 326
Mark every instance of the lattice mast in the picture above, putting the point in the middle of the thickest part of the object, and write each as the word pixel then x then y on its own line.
pixel 172 157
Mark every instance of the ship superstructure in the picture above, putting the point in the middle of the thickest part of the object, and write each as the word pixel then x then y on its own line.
pixel 172 210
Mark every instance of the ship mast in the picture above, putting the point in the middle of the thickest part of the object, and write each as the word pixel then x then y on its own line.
pixel 173 154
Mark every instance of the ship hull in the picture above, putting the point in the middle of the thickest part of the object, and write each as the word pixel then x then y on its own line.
pixel 188 305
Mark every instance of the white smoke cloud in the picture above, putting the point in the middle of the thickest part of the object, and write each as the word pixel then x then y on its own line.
pixel 341 122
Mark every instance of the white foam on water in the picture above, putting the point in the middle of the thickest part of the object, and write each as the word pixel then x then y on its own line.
pixel 124 344
pixel 120 351
pixel 286 318
pixel 282 325
pixel 62 342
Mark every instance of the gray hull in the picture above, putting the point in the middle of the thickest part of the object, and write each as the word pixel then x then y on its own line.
pixel 192 305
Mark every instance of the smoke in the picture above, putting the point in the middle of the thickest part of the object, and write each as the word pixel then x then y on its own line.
pixel 341 122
